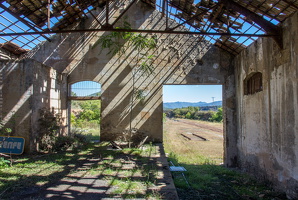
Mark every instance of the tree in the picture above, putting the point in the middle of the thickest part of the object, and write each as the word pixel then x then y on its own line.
pixel 118 43
pixel 89 113
pixel 188 115
pixel 217 116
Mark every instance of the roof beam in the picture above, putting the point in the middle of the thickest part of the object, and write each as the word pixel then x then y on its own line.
pixel 49 14
pixel 291 3
pixel 22 20
pixel 266 25
pixel 106 25
pixel 137 31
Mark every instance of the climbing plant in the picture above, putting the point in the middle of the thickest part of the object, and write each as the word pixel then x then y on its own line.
pixel 118 43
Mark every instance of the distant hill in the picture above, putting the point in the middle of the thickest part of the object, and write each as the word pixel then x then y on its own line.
pixel 173 105
pixel 97 94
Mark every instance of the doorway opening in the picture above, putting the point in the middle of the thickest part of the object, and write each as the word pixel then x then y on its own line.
pixel 85 109
pixel 193 123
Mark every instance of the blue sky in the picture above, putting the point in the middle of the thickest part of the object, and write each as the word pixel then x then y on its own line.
pixel 85 88
pixel 192 93
pixel 171 93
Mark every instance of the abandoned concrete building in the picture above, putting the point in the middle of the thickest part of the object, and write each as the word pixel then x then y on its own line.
pixel 249 47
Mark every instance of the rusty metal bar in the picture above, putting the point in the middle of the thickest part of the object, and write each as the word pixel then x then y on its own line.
pixel 163 8
pixel 78 3
pixel 107 12
pixel 84 98
pixel 167 16
pixel 139 31
pixel 49 14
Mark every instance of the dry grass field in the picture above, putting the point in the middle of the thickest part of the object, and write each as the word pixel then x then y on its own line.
pixel 196 150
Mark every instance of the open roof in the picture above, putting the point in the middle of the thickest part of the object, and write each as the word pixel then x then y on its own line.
pixel 229 24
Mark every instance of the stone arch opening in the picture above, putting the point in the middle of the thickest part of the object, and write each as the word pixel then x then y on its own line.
pixel 85 108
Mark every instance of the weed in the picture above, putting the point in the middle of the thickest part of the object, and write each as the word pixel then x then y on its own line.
pixel 3 162
pixel 153 195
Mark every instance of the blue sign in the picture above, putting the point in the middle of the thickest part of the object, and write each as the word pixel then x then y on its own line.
pixel 11 145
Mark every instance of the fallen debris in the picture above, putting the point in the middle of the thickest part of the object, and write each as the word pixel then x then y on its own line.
pixel 143 142
pixel 115 145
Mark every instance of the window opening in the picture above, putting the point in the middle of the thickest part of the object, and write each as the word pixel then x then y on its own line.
pixel 253 83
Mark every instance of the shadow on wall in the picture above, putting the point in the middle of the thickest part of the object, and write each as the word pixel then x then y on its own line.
pixel 26 88
pixel 68 51
pixel 174 62
pixel 146 115
pixel 174 59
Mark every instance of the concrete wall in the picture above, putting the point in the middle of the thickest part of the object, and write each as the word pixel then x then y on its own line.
pixel 28 86
pixel 268 120
pixel 178 59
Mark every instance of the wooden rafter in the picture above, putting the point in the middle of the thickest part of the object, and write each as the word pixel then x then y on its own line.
pixel 266 25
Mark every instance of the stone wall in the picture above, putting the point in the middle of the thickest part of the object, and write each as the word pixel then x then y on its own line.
pixel 268 120
pixel 28 86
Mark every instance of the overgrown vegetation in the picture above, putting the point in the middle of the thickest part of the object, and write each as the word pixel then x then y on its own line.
pixel 126 173
pixel 85 114
pixel 50 137
pixel 195 113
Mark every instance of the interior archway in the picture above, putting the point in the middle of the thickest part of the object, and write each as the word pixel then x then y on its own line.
pixel 85 108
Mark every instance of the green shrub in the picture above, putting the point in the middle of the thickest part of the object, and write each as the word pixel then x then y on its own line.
pixel 203 115
pixel 88 114
pixel 217 116
pixel 50 139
